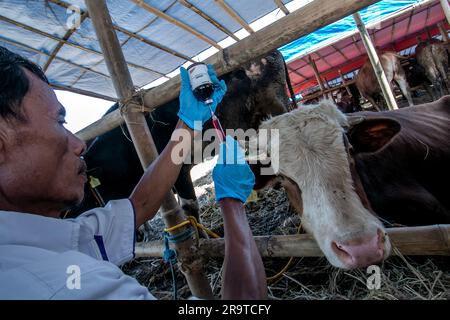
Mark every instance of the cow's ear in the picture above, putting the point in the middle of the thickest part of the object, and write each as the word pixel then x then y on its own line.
pixel 371 135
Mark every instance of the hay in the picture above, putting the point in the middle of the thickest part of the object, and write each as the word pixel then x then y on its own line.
pixel 307 278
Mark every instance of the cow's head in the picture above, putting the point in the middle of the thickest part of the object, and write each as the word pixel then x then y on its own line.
pixel 256 91
pixel 316 162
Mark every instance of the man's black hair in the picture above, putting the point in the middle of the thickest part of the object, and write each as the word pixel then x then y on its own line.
pixel 14 83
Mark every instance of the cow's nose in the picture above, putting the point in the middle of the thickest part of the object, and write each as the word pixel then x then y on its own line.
pixel 362 252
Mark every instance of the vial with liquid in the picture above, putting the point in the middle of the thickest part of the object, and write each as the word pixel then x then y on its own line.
pixel 201 83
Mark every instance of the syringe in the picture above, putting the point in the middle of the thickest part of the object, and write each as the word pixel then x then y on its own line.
pixel 217 125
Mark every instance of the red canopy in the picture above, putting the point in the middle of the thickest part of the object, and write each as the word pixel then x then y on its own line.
pixel 396 33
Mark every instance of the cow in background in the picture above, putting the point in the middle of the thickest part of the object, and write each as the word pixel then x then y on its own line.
pixel 256 91
pixel 340 172
pixel 349 102
pixel 433 56
pixel 368 85
pixel 416 76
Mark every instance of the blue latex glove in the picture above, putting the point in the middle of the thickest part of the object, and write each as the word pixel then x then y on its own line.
pixel 192 111
pixel 232 175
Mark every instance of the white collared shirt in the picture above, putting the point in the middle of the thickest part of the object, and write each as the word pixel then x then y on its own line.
pixel 48 258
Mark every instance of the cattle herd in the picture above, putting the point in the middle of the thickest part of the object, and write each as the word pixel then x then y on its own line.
pixel 347 175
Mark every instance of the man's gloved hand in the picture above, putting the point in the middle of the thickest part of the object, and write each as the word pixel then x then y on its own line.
pixel 232 175
pixel 192 111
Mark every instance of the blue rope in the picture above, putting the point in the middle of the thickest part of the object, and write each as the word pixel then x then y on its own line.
pixel 170 255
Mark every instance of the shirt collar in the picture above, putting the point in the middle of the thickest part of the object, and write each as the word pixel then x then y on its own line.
pixel 17 228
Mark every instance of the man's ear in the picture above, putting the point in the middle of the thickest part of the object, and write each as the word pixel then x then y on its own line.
pixel 371 135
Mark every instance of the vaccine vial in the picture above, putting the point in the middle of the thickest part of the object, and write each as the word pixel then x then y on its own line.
pixel 201 83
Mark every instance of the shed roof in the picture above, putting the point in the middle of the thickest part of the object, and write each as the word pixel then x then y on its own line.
pixel 157 36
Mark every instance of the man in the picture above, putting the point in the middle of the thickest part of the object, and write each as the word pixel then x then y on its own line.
pixel 42 173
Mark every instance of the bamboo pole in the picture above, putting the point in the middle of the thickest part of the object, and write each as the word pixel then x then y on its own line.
pixel 234 15
pixel 162 15
pixel 376 64
pixel 414 241
pixel 69 43
pixel 86 93
pixel 215 23
pixel 281 5
pixel 313 16
pixel 190 263
pixel 446 8
pixel 66 37
pixel 159 46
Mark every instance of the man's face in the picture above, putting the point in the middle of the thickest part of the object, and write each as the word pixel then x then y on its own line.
pixel 40 171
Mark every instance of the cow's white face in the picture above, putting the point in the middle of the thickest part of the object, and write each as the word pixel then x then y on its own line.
pixel 313 155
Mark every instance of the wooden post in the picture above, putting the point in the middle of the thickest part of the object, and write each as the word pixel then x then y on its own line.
pixel 446 8
pixel 313 16
pixel 313 65
pixel 444 32
pixel 344 82
pixel 143 142
pixel 421 241
pixel 376 64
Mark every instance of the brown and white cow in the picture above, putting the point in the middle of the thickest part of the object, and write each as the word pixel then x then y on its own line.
pixel 367 83
pixel 433 56
pixel 339 171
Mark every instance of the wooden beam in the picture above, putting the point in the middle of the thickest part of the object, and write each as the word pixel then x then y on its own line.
pixel 376 64
pixel 234 15
pixel 296 72
pixel 393 30
pixel 323 59
pixel 281 5
pixel 313 65
pixel 134 35
pixel 313 16
pixel 446 8
pixel 340 52
pixel 219 26
pixel 144 5
pixel 443 32
pixel 143 142
pixel 69 43
pixel 409 241
pixel 83 92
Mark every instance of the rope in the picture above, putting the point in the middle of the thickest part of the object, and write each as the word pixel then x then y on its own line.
pixel 195 224
pixel 170 256
pixel 279 274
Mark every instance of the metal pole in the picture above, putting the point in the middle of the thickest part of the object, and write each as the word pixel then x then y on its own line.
pixel 190 262
pixel 376 64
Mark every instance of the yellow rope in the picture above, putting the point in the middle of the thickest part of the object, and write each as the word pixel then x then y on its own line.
pixel 194 223
pixel 279 274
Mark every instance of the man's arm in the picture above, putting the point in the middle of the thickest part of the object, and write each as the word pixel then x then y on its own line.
pixel 159 177
pixel 243 276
